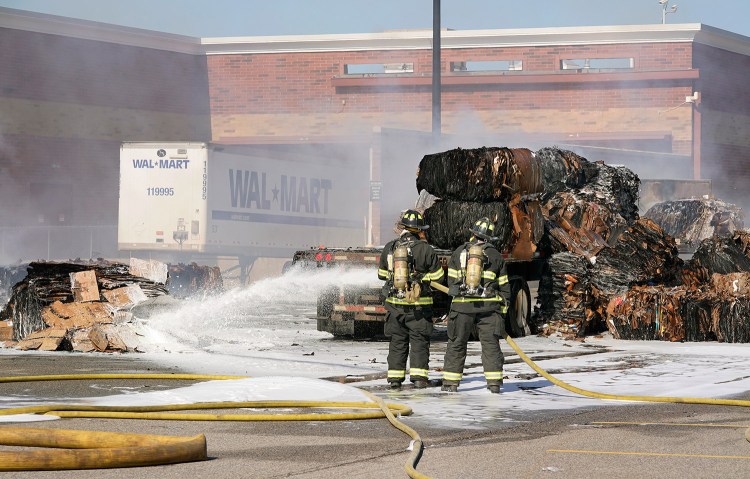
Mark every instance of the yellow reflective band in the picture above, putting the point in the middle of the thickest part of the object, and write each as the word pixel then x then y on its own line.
pixel 435 275
pixel 454 273
pixel 448 376
pixel 422 301
pixel 502 279
pixel 490 375
pixel 417 372
pixel 488 275
pixel 504 309
pixel 395 373
pixel 382 271
pixel 461 299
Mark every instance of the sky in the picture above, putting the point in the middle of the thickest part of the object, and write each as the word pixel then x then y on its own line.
pixel 264 331
pixel 230 18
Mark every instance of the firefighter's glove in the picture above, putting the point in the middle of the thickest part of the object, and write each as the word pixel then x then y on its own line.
pixel 413 293
pixel 417 277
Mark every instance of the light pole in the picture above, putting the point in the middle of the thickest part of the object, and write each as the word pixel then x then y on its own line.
pixel 664 10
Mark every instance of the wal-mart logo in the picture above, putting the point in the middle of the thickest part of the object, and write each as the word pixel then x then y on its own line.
pixel 161 164
pixel 250 189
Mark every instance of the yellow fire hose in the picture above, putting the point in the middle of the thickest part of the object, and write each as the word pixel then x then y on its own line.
pixel 101 450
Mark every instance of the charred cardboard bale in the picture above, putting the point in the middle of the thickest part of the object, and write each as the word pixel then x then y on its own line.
pixel 561 170
pixel 718 311
pixel 581 226
pixel 615 187
pixel 656 313
pixel 731 319
pixel 564 296
pixel 193 280
pixel 487 174
pixel 643 254
pixel 719 254
pixel 728 304
pixel 690 221
pixel 450 222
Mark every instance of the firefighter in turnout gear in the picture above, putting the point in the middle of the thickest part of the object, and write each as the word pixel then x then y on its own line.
pixel 407 265
pixel 478 283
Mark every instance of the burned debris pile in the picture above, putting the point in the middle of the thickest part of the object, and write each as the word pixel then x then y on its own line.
pixel 607 268
pixel 692 220
pixel 86 306
pixel 190 280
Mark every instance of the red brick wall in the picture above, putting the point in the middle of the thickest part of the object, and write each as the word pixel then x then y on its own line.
pixel 294 83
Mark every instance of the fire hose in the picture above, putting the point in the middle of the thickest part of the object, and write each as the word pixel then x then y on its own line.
pixel 102 450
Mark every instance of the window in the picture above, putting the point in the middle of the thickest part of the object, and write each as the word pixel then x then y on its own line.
pixel 377 68
pixel 487 66
pixel 599 64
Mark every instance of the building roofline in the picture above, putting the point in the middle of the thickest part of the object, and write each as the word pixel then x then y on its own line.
pixel 391 40
pixel 102 32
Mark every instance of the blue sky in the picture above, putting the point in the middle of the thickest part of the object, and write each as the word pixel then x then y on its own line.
pixel 227 18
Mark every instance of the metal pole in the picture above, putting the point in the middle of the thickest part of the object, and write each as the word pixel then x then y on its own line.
pixel 436 113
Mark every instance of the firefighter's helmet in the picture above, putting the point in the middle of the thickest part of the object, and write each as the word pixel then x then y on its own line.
pixel 483 229
pixel 413 220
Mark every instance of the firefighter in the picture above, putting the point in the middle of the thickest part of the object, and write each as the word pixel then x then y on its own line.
pixel 478 283
pixel 407 265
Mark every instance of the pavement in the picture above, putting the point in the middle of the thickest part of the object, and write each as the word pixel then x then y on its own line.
pixel 623 441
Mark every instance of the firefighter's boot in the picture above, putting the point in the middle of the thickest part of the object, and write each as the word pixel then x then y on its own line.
pixel 394 385
pixel 450 388
pixel 494 388
pixel 420 383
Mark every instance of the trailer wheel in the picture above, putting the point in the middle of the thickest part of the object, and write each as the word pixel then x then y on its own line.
pixel 519 309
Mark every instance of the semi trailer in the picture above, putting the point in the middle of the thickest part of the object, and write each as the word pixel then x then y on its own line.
pixel 197 199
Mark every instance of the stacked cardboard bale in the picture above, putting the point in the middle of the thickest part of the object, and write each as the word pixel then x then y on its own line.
pixel 467 184
pixel 710 300
pixel 564 295
pixel 692 220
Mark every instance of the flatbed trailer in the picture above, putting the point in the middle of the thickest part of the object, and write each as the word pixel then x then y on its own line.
pixel 358 312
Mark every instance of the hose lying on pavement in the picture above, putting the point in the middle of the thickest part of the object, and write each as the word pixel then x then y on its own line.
pixel 94 450
pixel 101 450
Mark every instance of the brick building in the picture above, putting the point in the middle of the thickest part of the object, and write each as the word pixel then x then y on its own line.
pixel 666 100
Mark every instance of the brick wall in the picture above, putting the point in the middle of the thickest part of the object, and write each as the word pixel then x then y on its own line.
pixel 283 95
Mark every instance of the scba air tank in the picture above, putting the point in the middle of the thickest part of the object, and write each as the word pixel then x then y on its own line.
pixel 474 266
pixel 401 268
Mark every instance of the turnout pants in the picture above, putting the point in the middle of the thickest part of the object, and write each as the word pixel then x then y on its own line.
pixel 490 328
pixel 408 327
